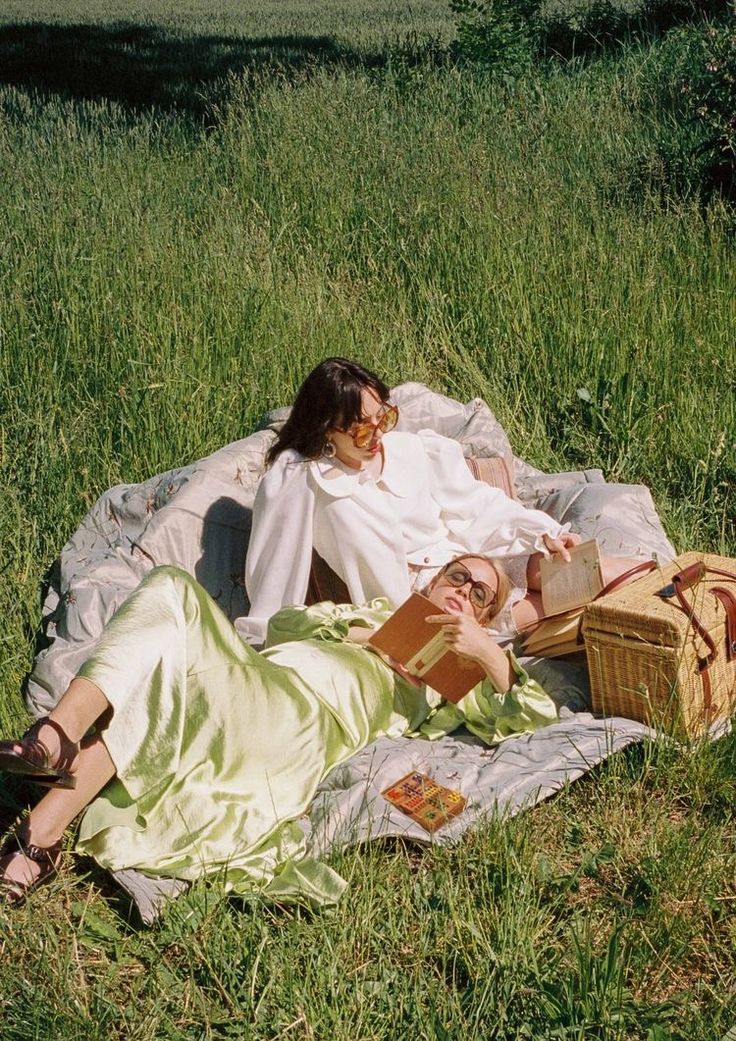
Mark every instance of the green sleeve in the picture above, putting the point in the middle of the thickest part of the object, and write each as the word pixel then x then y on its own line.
pixel 492 715
pixel 324 621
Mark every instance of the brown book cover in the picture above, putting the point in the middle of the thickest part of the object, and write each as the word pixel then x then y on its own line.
pixel 429 804
pixel 419 646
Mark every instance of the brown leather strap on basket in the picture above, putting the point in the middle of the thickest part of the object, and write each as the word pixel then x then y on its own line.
pixel 708 707
pixel 683 580
pixel 728 600
pixel 690 576
pixel 638 569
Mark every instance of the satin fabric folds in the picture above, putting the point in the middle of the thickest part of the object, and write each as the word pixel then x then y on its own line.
pixel 219 749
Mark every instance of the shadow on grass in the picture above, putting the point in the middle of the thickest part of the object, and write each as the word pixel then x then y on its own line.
pixel 147 66
pixel 16 795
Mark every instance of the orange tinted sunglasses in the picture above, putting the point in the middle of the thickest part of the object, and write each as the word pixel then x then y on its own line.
pixel 362 433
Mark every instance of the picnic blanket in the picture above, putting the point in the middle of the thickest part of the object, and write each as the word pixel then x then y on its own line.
pixel 198 517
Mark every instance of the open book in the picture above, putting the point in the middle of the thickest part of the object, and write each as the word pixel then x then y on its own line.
pixel 566 589
pixel 419 646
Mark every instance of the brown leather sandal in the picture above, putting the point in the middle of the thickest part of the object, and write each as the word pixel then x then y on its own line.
pixel 16 842
pixel 34 761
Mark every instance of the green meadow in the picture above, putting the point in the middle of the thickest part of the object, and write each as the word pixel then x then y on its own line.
pixel 200 201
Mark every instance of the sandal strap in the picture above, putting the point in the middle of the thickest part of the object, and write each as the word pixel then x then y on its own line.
pixel 16 842
pixel 48 858
pixel 37 753
pixel 42 855
pixel 68 749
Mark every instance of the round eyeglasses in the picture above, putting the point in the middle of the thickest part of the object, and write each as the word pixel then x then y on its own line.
pixel 480 596
pixel 362 433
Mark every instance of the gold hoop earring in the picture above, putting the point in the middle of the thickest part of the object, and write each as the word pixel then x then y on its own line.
pixel 328 450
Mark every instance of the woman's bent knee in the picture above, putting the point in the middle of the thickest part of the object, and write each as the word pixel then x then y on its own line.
pixel 164 576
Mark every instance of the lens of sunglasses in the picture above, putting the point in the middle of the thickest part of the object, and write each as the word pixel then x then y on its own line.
pixel 389 419
pixel 362 433
pixel 481 595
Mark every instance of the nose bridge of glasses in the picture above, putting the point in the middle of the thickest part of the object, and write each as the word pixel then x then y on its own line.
pixel 365 431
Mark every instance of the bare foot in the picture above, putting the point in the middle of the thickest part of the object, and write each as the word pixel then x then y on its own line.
pixel 23 863
pixel 18 873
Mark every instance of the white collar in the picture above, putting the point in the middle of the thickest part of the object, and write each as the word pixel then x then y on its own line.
pixel 339 480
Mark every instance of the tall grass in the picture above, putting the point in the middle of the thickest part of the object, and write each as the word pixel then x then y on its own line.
pixel 169 271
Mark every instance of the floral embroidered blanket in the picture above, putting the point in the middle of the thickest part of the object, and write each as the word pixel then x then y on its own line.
pixel 198 517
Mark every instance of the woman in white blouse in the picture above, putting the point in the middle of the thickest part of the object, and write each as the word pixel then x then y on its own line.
pixel 383 508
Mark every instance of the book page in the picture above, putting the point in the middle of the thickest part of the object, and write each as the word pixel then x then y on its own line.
pixel 566 586
pixel 555 630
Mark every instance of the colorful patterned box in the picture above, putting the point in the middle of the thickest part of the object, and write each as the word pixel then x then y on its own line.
pixel 429 804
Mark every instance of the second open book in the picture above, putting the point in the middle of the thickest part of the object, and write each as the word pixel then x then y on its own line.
pixel 418 645
pixel 566 589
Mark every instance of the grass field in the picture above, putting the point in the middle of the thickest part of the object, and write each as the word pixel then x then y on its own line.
pixel 198 203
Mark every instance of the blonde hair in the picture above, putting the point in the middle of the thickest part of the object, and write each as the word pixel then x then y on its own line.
pixel 503 588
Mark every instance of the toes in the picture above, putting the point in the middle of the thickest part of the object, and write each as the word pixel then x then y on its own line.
pixel 18 872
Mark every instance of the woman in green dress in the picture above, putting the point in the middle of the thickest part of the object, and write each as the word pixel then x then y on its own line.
pixel 205 753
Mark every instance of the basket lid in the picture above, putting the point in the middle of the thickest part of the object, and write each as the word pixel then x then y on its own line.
pixel 636 611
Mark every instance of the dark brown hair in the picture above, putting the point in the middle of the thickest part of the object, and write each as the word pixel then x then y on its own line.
pixel 329 397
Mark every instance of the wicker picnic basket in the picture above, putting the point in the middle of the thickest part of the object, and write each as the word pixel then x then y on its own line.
pixel 663 649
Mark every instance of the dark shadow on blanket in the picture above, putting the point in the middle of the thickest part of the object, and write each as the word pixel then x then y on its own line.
pixel 221 568
pixel 148 66
pixel 36 634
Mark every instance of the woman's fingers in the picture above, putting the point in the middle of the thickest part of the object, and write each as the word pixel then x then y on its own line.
pixel 450 623
pixel 460 632
pixel 556 547
pixel 403 672
pixel 562 543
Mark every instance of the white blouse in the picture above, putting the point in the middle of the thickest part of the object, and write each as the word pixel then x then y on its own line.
pixel 369 525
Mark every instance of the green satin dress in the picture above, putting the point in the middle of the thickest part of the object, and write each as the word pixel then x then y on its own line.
pixel 219 749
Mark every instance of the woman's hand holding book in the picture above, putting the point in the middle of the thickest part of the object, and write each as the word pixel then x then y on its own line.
pixel 470 640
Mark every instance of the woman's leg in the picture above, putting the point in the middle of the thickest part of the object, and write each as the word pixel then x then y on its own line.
pixel 168 629
pixel 49 819
pixel 611 568
pixel 77 710
pixel 143 638
pixel 529 612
